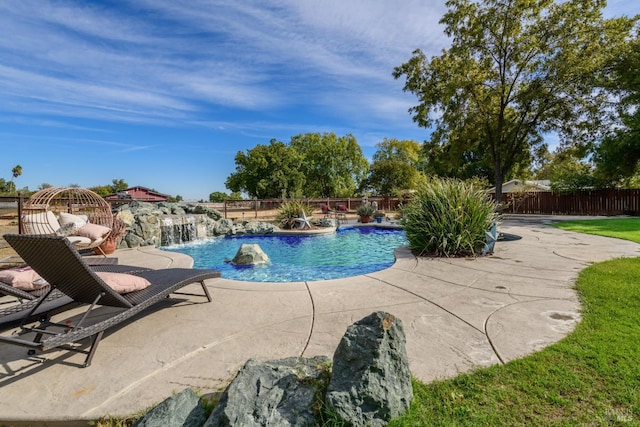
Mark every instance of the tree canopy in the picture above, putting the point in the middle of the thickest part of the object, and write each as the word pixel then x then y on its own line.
pixel 218 196
pixel 333 166
pixel 618 154
pixel 515 70
pixel 395 166
pixel 115 186
pixel 268 171
pixel 311 165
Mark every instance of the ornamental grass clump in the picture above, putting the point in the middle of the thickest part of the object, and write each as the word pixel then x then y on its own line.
pixel 289 211
pixel 448 218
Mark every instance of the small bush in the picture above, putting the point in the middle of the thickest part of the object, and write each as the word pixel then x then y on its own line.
pixel 448 218
pixel 289 211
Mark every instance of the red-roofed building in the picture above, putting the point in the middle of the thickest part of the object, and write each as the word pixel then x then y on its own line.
pixel 141 194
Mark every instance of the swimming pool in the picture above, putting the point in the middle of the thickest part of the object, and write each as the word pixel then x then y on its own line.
pixel 348 252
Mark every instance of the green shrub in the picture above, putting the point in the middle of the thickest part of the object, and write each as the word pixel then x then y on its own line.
pixel 289 211
pixel 448 218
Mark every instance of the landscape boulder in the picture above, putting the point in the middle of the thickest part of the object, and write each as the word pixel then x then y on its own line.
pixel 273 393
pixel 211 213
pixel 226 227
pixel 258 227
pixel 250 254
pixel 371 380
pixel 183 409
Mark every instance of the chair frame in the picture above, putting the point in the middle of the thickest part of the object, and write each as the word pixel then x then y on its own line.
pixel 56 260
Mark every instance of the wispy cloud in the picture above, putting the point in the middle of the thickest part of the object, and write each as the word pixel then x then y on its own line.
pixel 89 61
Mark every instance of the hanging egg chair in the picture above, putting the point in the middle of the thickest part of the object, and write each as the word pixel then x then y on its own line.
pixel 44 205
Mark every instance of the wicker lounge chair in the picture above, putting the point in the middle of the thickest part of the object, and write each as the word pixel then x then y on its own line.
pixel 55 259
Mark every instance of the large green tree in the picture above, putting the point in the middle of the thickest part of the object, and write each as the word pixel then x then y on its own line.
pixel 5 186
pixel 395 166
pixel 311 165
pixel 268 171
pixel 333 166
pixel 218 197
pixel 566 170
pixel 515 70
pixel 618 154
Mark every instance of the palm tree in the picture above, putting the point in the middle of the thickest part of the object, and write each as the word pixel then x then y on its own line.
pixel 15 172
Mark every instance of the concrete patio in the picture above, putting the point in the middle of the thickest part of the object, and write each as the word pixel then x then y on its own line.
pixel 458 314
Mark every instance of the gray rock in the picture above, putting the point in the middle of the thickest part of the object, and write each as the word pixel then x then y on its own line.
pixel 371 380
pixel 327 222
pixel 275 393
pixel 181 410
pixel 147 227
pixel 250 254
pixel 211 213
pixel 224 227
pixel 178 210
pixel 257 227
pixel 132 240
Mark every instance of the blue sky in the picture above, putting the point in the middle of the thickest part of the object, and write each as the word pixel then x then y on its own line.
pixel 163 93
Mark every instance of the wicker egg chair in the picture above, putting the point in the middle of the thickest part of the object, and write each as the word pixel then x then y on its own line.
pixel 73 200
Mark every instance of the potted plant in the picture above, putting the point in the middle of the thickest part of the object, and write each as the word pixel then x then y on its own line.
pixel 107 247
pixel 378 215
pixel 365 211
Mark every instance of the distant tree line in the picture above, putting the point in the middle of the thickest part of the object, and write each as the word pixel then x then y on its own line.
pixel 323 165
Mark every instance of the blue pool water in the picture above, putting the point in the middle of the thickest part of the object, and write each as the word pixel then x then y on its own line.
pixel 348 252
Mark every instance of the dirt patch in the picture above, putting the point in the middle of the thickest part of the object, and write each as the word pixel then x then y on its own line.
pixel 7 226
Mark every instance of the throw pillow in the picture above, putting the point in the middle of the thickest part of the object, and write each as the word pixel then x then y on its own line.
pixel 93 231
pixel 66 218
pixel 122 282
pixel 67 230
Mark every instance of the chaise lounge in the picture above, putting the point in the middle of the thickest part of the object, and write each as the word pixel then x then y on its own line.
pixel 56 260
pixel 26 300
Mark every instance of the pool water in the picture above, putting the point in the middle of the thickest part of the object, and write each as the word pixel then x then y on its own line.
pixel 348 252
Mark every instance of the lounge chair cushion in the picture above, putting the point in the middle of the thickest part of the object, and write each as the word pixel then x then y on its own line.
pixel 77 220
pixel 22 278
pixel 122 282
pixel 93 231
pixel 80 240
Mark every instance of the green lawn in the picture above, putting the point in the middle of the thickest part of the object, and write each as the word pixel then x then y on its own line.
pixel 592 377
pixel 622 228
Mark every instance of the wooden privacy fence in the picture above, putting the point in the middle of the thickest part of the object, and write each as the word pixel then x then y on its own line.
pixel 256 208
pixel 582 202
